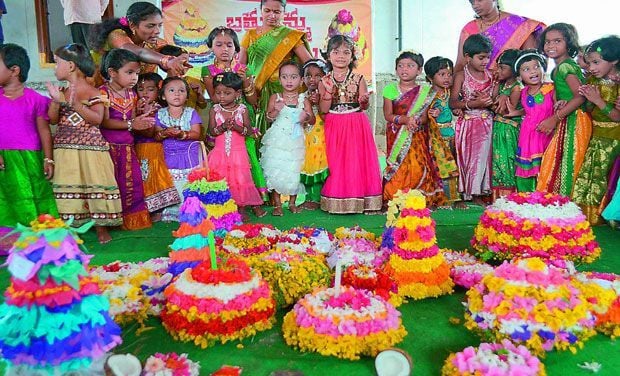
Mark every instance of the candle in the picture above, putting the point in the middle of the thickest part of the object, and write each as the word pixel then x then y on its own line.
pixel 212 251
pixel 338 278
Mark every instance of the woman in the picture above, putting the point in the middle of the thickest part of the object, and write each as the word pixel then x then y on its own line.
pixel 138 32
pixel 263 50
pixel 505 30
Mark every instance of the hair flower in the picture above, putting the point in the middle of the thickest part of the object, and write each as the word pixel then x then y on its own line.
pixel 123 21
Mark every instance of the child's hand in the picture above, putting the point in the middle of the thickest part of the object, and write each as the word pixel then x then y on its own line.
pixel 229 123
pixel 363 99
pixel 481 100
pixel 559 105
pixel 502 105
pixel 279 105
pixel 242 72
pixel 511 110
pixel 413 124
pixel 48 170
pixel 592 94
pixel 1 163
pixel 328 84
pixel 547 126
pixel 314 97
pixel 434 112
pixel 172 132
pixel 55 93
pixel 143 122
pixel 196 87
pixel 457 112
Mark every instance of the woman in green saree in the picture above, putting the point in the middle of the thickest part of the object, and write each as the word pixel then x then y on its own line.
pixel 263 50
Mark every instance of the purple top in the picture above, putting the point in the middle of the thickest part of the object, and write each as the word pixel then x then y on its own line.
pixel 121 108
pixel 18 126
pixel 180 154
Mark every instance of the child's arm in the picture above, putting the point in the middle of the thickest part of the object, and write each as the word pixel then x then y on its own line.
pixel 326 93
pixel 273 107
pixel 208 82
pixel 593 95
pixel 455 101
pixel 308 115
pixel 214 129
pixel 511 106
pixel 249 90
pixel 45 135
pixel 57 97
pixel 570 106
pixel 363 94
pixel 246 128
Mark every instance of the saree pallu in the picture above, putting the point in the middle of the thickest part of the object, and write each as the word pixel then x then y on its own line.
pixel 565 154
pixel 473 152
pixel 592 180
pixel 444 153
pixel 129 180
pixel 314 170
pixel 504 149
pixel 611 202
pixel 159 190
pixel 25 193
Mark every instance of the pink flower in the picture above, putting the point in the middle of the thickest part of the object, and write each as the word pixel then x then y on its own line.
pixel 344 16
pixel 123 21
pixel 154 364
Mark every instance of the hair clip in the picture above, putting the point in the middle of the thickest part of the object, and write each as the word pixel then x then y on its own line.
pixel 219 77
pixel 599 50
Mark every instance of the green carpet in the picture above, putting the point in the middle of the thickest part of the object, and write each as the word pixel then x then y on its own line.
pixel 431 337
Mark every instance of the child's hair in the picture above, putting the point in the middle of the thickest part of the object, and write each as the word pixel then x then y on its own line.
pixel 435 64
pixel 78 54
pixel 530 55
pixel 116 58
pixel 416 57
pixel 319 63
pixel 283 2
pixel 337 41
pixel 170 79
pixel 172 50
pixel 477 44
pixel 151 76
pixel 228 79
pixel 137 12
pixel 608 47
pixel 569 33
pixel 290 63
pixel 223 30
pixel 508 57
pixel 14 55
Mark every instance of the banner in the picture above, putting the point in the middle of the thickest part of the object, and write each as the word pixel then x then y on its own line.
pixel 187 24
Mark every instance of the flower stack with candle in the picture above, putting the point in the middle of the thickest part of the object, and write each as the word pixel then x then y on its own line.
pixel 531 303
pixel 214 193
pixel 415 262
pixel 54 318
pixel 535 224
pixel 218 303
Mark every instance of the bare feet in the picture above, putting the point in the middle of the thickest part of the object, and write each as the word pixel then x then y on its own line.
pixel 460 205
pixel 103 235
pixel 310 205
pixel 479 200
pixel 259 211
pixel 277 211
pixel 294 208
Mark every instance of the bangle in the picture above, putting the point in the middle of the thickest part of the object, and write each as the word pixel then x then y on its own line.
pixel 165 61
pixel 129 125
pixel 249 89
pixel 557 116
pixel 49 161
pixel 244 131
pixel 467 106
pixel 183 135
pixel 396 119
pixel 607 109
pixel 269 117
pixel 249 94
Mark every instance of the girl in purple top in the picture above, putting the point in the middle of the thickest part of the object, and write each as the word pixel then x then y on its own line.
pixel 26 163
pixel 121 68
pixel 179 128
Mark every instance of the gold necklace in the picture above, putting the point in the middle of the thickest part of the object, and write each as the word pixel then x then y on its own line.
pixel 486 25
pixel 222 66
pixel 342 86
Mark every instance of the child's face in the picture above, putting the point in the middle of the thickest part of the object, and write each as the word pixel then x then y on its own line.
pixel 407 69
pixel 226 95
pixel 555 45
pixel 127 76
pixel 479 62
pixel 147 90
pixel 598 66
pixel 223 47
pixel 62 68
pixel 290 78
pixel 504 72
pixel 531 72
pixel 341 56
pixel 443 78
pixel 312 77
pixel 175 93
pixel 5 73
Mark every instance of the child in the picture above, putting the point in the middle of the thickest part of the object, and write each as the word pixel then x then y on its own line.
pixel 283 146
pixel 438 72
pixel 354 181
pixel 536 99
pixel 179 128
pixel 571 127
pixel 26 163
pixel 225 44
pixel 159 190
pixel 410 163
pixel 505 128
pixel 471 93
pixel 195 97
pixel 229 122
pixel 120 68
pixel 611 202
pixel 603 58
pixel 84 182
pixel 314 170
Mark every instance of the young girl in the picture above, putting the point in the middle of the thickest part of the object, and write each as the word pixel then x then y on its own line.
pixel 229 122
pixel 225 45
pixel 179 128
pixel 505 128
pixel 120 68
pixel 354 181
pixel 603 58
pixel 571 127
pixel 314 170
pixel 84 182
pixel 283 146
pixel 536 99
pixel 410 163
pixel 159 190
pixel 438 72
pixel 26 161
pixel 471 93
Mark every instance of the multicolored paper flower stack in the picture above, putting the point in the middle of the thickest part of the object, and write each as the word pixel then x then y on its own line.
pixel 291 274
pixel 372 279
pixel 346 324
pixel 465 269
pixel 54 318
pixel 535 224
pixel 531 303
pixel 490 359
pixel 206 305
pixel 193 238
pixel 603 291
pixel 214 193
pixel 415 261
pixel 171 364
pixel 250 239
